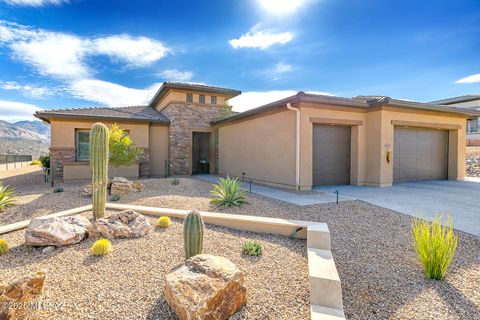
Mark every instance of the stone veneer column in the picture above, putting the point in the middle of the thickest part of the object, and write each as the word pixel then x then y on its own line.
pixel 144 163
pixel 60 156
pixel 185 117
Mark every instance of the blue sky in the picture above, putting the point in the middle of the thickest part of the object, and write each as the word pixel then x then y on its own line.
pixel 56 53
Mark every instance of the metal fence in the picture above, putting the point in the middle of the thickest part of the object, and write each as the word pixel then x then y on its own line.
pixel 11 161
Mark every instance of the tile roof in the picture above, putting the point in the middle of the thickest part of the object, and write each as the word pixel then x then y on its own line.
pixel 131 113
pixel 459 99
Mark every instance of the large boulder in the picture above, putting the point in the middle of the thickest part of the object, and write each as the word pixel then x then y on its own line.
pixel 56 231
pixel 19 298
pixel 121 186
pixel 123 224
pixel 205 287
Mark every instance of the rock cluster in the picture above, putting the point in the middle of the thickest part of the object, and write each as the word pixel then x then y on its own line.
pixel 123 224
pixel 205 287
pixel 21 298
pixel 56 231
pixel 121 186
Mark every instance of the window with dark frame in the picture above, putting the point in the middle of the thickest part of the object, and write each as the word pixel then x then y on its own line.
pixel 82 144
pixel 213 100
pixel 201 98
pixel 189 97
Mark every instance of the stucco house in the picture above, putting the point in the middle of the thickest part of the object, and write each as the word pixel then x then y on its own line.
pixel 471 102
pixel 297 142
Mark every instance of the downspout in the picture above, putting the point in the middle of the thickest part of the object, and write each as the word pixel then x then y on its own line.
pixel 297 144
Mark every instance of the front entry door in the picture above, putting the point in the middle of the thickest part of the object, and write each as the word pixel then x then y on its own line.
pixel 201 152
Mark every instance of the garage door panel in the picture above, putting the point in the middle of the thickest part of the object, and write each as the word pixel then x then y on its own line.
pixel 420 154
pixel 331 155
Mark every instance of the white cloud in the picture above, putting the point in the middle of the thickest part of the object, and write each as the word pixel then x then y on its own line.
pixel 176 75
pixel 474 78
pixel 282 68
pixel 281 7
pixel 28 89
pixel 64 55
pixel 16 111
pixel 34 3
pixel 261 39
pixel 111 94
pixel 252 99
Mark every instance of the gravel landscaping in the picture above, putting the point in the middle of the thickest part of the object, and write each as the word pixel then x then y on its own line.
pixel 473 161
pixel 381 277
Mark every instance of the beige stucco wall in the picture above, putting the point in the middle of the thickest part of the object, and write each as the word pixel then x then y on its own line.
pixel 63 132
pixel 158 149
pixel 181 96
pixel 263 148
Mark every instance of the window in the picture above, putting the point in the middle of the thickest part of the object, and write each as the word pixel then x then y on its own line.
pixel 189 97
pixel 201 98
pixel 213 100
pixel 82 145
pixel 473 126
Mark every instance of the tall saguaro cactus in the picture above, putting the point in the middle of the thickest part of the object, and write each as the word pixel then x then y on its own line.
pixel 193 234
pixel 98 144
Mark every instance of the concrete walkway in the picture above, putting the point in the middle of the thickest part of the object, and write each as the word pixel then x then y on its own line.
pixel 460 199
pixel 274 193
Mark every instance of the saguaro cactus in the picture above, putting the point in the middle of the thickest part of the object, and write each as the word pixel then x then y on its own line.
pixel 193 234
pixel 99 166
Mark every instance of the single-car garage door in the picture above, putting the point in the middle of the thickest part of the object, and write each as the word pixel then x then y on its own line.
pixel 331 155
pixel 420 154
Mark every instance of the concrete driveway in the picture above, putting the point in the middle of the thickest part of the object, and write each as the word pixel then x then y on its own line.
pixel 461 199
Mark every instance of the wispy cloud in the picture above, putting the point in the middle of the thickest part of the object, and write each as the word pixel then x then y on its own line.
pixel 65 56
pixel 282 68
pixel 28 89
pixel 252 99
pixel 34 3
pixel 15 111
pixel 176 75
pixel 474 78
pixel 261 39
pixel 111 94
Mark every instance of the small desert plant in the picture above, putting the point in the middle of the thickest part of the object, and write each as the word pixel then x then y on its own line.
pixel 435 245
pixel 6 196
pixel 175 182
pixel 35 162
pixel 228 192
pixel 252 248
pixel 57 190
pixel 164 222
pixel 45 161
pixel 101 247
pixel 3 247
pixel 193 234
pixel 115 198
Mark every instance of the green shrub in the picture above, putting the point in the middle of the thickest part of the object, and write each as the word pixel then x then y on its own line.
pixel 252 248
pixel 122 149
pixel 6 196
pixel 35 162
pixel 228 192
pixel 164 222
pixel 45 161
pixel 115 198
pixel 175 182
pixel 101 247
pixel 3 247
pixel 435 245
pixel 57 190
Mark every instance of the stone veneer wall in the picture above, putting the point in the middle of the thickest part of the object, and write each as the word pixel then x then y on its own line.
pixel 183 118
pixel 144 163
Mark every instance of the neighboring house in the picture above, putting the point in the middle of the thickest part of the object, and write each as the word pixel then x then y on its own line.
pixel 471 102
pixel 297 142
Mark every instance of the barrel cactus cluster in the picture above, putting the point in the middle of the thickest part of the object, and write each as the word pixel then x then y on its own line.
pixel 193 234
pixel 101 247
pixel 99 163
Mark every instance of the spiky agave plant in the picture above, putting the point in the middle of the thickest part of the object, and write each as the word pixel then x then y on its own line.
pixel 6 196
pixel 228 192
pixel 435 245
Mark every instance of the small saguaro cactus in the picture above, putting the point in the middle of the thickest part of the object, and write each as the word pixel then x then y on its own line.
pixel 193 234
pixel 99 165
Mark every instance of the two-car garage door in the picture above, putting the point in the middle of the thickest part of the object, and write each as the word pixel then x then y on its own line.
pixel 420 154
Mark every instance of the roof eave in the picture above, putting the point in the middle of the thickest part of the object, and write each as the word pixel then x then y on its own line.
pixel 48 116
pixel 431 107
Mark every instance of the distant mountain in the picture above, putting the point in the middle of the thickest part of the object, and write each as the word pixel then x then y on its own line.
pixel 24 137
pixel 35 126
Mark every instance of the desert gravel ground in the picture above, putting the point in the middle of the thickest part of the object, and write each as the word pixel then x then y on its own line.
pixel 381 278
